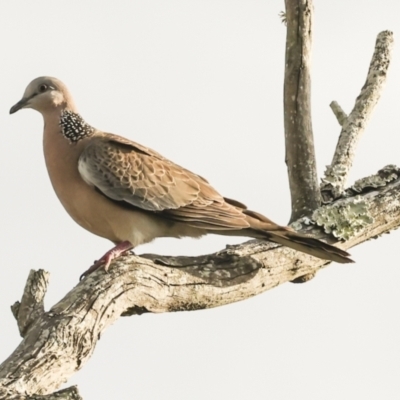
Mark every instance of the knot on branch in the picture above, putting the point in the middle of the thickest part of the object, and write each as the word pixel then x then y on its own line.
pixel 31 306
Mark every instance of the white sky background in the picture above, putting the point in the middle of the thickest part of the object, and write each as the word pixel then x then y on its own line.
pixel 201 82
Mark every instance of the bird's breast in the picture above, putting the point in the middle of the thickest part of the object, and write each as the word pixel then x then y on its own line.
pixel 90 209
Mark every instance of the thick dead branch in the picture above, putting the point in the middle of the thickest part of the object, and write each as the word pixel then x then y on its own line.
pixel 299 142
pixel 60 341
pixel 354 125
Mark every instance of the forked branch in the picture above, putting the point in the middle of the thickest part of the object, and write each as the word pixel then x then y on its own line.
pixel 353 126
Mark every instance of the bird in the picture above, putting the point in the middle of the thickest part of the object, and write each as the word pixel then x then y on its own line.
pixel 130 194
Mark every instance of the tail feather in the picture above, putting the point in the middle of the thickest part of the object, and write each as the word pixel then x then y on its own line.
pixel 309 245
pixel 261 227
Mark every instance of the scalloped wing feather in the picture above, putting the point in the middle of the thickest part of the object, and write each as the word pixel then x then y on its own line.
pixel 126 171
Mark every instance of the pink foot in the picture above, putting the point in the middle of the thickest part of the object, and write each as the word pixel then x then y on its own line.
pixel 105 261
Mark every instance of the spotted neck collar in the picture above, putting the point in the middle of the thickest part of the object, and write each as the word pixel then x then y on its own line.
pixel 73 126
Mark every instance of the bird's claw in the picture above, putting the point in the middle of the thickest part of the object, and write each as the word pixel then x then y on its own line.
pixel 106 260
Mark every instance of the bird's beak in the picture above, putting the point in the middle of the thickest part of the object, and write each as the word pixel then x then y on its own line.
pixel 21 104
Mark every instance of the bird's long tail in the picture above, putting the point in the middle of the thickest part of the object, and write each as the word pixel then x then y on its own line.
pixel 309 245
pixel 263 228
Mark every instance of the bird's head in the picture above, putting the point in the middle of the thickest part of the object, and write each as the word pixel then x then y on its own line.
pixel 45 94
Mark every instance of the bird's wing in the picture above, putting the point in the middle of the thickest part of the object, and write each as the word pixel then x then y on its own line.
pixel 127 172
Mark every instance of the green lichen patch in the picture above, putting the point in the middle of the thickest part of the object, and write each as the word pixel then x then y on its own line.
pixel 344 220
pixel 332 182
pixel 384 176
pixel 300 223
pixel 335 174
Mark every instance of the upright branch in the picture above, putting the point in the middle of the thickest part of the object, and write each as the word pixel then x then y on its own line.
pixel 300 153
pixel 354 125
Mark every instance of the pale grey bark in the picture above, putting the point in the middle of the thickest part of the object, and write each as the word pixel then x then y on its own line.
pixel 31 306
pixel 340 115
pixel 354 125
pixel 299 141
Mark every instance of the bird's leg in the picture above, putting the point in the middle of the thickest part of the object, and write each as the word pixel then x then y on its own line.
pixel 105 261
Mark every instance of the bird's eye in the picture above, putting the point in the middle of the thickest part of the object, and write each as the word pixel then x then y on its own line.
pixel 42 88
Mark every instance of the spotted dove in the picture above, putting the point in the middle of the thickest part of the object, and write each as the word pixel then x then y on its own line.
pixel 130 194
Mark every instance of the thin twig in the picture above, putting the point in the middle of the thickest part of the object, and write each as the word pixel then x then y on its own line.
pixel 336 174
pixel 340 115
pixel 299 142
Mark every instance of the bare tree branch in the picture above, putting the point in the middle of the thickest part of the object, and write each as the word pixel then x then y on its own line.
pixel 60 341
pixel 299 141
pixel 341 116
pixel 353 127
